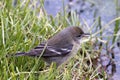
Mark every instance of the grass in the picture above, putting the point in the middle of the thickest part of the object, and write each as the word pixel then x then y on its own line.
pixel 22 28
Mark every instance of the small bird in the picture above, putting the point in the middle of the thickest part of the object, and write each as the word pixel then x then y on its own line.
pixel 59 48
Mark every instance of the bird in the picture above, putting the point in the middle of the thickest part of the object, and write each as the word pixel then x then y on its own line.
pixel 61 47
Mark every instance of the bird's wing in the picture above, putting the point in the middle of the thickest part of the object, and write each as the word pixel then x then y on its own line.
pixel 56 51
pixel 50 51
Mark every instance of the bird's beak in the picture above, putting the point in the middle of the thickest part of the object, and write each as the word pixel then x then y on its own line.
pixel 86 37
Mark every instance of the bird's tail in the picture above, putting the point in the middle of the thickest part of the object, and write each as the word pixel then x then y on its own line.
pixel 20 54
pixel 17 54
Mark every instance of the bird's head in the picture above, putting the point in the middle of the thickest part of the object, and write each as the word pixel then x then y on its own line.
pixel 69 35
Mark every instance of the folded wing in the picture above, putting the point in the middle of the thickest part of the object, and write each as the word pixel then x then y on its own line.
pixel 48 51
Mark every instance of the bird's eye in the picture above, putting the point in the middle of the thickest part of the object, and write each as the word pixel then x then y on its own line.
pixel 78 35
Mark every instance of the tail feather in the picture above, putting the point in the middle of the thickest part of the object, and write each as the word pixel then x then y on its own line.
pixel 20 54
pixel 17 54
